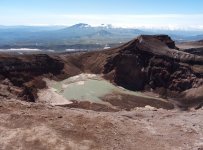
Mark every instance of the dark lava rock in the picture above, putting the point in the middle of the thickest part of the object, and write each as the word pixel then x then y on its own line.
pixel 23 69
pixel 154 61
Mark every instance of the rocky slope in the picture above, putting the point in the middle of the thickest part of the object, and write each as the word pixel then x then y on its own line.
pixel 148 63
pixel 18 74
pixel 151 63
pixel 155 61
pixel 194 47
pixel 34 126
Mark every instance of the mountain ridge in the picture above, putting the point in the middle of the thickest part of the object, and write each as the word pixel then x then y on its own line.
pixel 78 34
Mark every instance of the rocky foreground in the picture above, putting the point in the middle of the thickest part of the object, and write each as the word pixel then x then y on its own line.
pixel 34 126
pixel 149 64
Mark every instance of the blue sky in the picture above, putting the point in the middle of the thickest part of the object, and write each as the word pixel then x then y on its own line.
pixel 129 13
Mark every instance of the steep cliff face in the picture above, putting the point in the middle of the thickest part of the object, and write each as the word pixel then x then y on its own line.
pixel 23 72
pixel 155 61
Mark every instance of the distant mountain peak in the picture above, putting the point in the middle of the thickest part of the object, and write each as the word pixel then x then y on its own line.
pixel 81 25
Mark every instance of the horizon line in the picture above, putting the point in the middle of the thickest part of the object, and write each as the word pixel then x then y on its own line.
pixel 165 27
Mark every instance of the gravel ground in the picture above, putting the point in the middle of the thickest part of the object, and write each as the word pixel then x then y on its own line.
pixel 29 126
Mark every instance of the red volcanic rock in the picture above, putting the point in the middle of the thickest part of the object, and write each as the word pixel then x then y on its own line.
pixel 156 62
pixel 20 70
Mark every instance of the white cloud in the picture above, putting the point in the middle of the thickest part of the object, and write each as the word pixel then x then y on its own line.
pixel 170 21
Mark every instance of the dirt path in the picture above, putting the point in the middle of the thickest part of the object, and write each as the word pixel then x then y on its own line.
pixel 36 126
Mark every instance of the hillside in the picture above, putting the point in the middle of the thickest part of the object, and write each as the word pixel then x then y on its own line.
pixel 144 94
pixel 147 63
pixel 60 38
pixel 193 47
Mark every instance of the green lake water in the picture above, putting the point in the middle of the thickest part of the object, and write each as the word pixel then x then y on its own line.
pixel 89 89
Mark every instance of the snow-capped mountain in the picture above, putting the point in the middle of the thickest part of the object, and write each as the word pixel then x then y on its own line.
pixel 83 33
